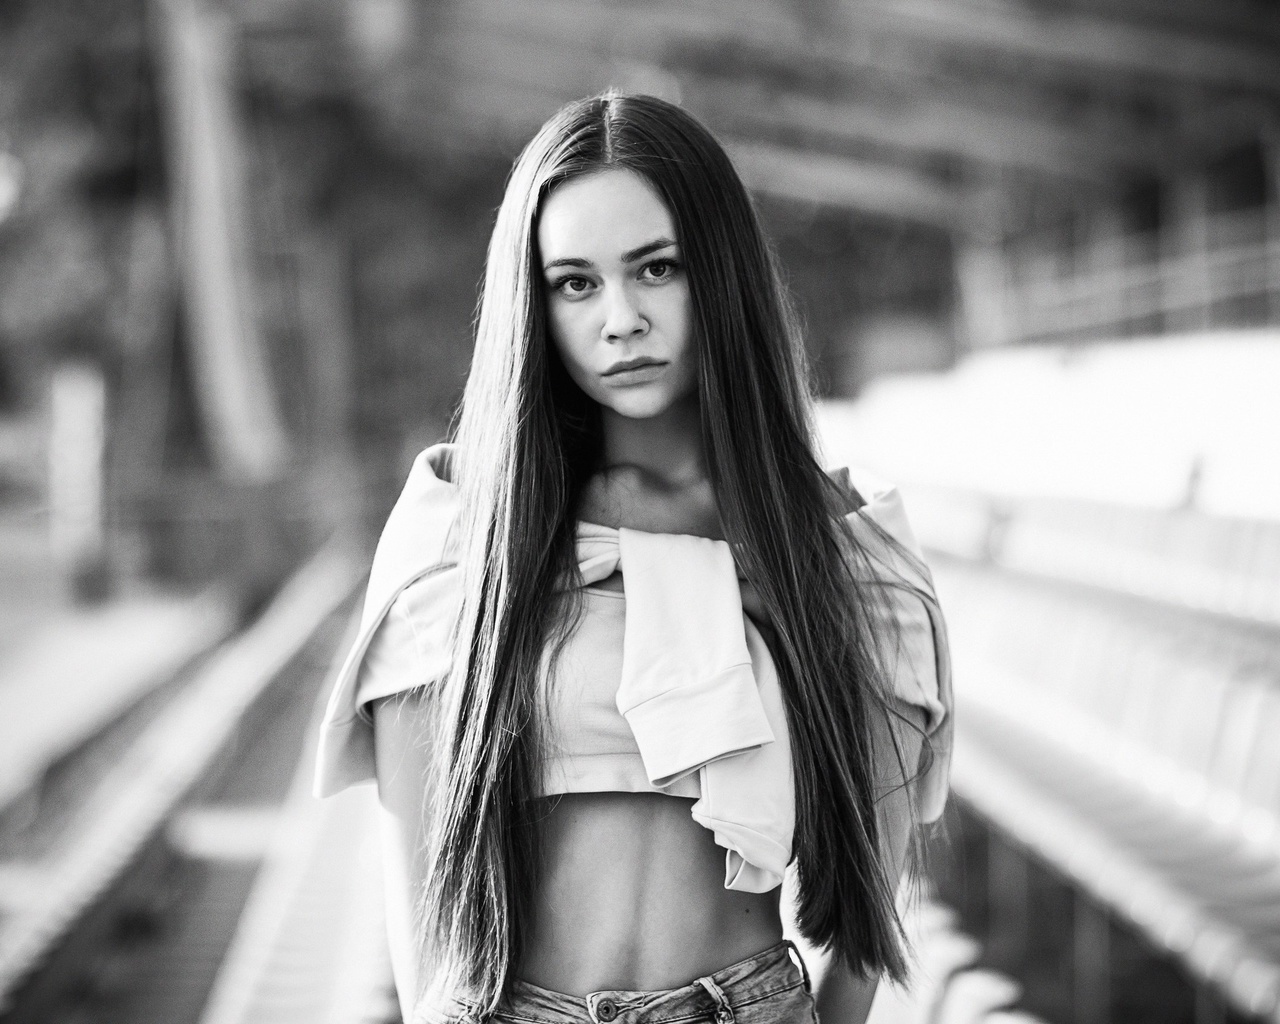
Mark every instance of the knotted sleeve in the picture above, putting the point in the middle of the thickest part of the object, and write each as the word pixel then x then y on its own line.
pixel 687 690
pixel 748 800
pixel 700 693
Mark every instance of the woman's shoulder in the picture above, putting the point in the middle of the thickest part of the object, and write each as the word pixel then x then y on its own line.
pixel 421 528
pixel 874 508
pixel 428 503
pixel 406 621
pixel 420 534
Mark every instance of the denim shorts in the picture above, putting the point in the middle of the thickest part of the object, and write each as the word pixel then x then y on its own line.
pixel 771 987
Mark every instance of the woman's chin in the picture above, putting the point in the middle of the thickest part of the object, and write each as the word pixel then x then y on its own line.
pixel 640 407
pixel 647 403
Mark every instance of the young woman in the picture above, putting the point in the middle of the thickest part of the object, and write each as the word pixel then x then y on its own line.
pixel 628 654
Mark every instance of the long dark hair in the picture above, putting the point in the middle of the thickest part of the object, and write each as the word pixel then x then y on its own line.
pixel 528 440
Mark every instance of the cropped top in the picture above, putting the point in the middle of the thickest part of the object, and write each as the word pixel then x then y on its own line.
pixel 667 687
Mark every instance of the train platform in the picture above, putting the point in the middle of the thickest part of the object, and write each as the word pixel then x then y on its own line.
pixel 164 711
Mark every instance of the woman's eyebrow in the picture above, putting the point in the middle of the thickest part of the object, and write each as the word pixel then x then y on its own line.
pixel 630 256
pixel 567 261
pixel 643 250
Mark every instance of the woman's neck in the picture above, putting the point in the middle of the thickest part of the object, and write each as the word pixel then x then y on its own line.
pixel 666 447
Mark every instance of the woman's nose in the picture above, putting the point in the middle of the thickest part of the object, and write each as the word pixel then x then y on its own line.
pixel 622 316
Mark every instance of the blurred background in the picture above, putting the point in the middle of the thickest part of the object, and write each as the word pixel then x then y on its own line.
pixel 1036 245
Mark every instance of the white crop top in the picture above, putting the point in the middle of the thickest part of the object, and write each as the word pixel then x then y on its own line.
pixel 667 687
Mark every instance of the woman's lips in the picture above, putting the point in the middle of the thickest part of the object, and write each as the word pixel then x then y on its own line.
pixel 633 371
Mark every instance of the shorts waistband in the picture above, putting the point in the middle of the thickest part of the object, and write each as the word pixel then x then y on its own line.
pixel 718 995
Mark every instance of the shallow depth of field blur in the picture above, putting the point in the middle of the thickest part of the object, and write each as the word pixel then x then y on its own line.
pixel 1036 247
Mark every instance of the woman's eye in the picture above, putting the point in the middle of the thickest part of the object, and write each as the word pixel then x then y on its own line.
pixel 660 270
pixel 572 286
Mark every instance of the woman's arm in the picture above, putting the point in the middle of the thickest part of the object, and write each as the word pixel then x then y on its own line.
pixel 401 724
pixel 844 997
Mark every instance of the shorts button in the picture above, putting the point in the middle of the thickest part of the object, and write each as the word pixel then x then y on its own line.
pixel 607 1010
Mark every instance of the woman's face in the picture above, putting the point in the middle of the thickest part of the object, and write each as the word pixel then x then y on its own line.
pixel 617 292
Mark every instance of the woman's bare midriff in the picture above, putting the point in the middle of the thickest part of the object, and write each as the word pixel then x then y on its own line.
pixel 632 896
pixel 632 893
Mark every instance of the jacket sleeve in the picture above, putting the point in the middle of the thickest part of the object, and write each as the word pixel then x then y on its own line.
pixel 905 602
pixel 415 573
pixel 408 646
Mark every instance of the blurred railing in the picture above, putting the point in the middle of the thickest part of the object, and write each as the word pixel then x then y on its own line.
pixel 1186 558
pixel 1117 661
pixel 1133 285
pixel 1128 741
pixel 160 708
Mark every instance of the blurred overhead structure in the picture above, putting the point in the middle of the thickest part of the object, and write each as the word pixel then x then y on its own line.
pixel 1102 170
pixel 988 171
pixel 900 193
pixel 937 176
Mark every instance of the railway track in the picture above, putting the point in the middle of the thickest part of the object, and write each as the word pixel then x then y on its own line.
pixel 122 887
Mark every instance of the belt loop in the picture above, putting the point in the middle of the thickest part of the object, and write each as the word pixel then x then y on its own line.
pixel 797 959
pixel 724 1012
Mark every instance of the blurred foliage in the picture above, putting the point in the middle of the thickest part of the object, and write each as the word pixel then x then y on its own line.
pixel 74 92
pixel 411 218
pixel 86 262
